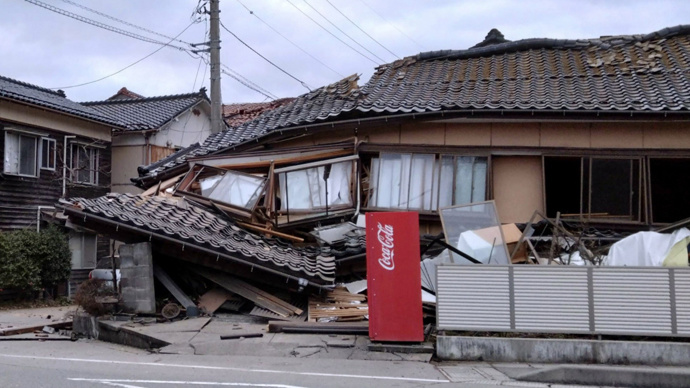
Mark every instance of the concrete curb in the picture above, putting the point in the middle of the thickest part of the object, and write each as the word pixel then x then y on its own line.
pixel 609 376
pixel 555 351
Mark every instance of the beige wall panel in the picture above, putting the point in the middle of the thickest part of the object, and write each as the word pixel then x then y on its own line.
pixel 423 133
pixel 468 134
pixel 125 163
pixel 307 140
pixel 388 135
pixel 575 135
pixel 517 185
pixel 515 134
pixel 617 135
pixel 56 121
pixel 667 135
pixel 333 136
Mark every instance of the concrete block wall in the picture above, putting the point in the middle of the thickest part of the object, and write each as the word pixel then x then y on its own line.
pixel 136 284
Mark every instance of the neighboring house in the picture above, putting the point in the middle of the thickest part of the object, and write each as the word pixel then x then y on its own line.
pixel 155 127
pixel 596 129
pixel 51 147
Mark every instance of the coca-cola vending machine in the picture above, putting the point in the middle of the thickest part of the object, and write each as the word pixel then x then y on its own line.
pixel 393 277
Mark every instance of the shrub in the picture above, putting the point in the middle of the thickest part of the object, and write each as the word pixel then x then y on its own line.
pixel 30 261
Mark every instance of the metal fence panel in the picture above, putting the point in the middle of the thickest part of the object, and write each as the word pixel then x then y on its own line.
pixel 472 302
pixel 632 300
pixel 547 298
pixel 564 299
pixel 682 299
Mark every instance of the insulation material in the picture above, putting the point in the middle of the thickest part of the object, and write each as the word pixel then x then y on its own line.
pixel 651 249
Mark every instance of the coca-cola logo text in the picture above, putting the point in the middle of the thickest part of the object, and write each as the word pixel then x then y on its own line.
pixel 385 237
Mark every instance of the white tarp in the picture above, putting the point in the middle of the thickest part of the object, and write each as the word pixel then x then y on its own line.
pixel 651 249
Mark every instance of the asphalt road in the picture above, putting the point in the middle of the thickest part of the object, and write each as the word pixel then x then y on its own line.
pixel 98 364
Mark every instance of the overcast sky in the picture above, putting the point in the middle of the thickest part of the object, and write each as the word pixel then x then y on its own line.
pixel 48 49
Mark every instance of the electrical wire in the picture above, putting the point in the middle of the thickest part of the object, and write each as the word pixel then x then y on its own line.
pixel 125 68
pixel 343 32
pixel 264 58
pixel 330 33
pixel 358 27
pixel 251 84
pixel 101 25
pixel 124 22
pixel 290 41
pixel 393 25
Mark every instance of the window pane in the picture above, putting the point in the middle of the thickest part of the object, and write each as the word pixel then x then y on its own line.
pixel 27 155
pixel 11 162
pixel 83 165
pixel 470 180
pixel 562 177
pixel 47 153
pixel 445 185
pixel 307 189
pixel 669 200
pixel 611 186
pixel 236 189
pixel 390 172
pixel 419 188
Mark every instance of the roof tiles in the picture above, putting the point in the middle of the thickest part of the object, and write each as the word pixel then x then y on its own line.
pixel 185 222
pixel 23 92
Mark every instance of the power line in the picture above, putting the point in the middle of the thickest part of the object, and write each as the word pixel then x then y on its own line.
pixel 359 28
pixel 333 35
pixel 125 68
pixel 291 42
pixel 343 32
pixel 121 21
pixel 393 25
pixel 101 25
pixel 246 84
pixel 249 83
pixel 264 58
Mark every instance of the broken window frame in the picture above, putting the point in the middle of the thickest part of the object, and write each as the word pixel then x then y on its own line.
pixel 196 173
pixel 638 188
pixel 435 201
pixel 325 211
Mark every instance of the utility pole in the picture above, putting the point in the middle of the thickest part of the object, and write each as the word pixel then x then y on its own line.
pixel 214 46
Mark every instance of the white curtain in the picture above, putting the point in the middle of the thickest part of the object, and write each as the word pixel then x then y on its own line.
pixel 307 189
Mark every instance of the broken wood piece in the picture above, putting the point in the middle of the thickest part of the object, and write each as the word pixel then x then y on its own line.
pixel 176 291
pixel 163 185
pixel 238 336
pixel 250 292
pixel 271 232
pixel 31 329
pixel 213 299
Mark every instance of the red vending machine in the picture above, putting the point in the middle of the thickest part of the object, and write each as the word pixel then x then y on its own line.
pixel 393 277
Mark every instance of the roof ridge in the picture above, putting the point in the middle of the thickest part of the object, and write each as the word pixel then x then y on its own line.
pixel 201 94
pixel 544 43
pixel 59 93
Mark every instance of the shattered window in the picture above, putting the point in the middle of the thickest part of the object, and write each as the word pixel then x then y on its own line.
pixel 236 189
pixel 425 182
pixel 317 188
pixel 20 154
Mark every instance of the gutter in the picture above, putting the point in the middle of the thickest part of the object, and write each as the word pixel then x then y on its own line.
pixel 80 214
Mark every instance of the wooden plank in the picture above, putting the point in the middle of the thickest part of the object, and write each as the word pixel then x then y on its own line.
pixel 248 292
pixel 176 291
pixel 271 232
pixel 31 329
pixel 213 299
pixel 164 185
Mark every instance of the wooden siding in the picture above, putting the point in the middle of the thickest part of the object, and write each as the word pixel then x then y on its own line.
pixel 20 196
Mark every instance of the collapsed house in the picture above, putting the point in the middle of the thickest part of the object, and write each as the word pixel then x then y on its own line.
pixel 591 131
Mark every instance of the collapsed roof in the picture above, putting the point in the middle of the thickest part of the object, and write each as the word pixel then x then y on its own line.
pixel 641 73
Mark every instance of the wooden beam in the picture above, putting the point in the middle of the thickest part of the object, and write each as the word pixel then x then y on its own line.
pixel 271 232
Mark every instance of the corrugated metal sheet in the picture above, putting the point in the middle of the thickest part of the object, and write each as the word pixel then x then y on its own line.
pixel 473 297
pixel 549 298
pixel 682 285
pixel 632 300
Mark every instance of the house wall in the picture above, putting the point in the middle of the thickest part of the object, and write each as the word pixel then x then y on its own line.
pixel 43 118
pixel 126 159
pixel 20 196
pixel 187 129
pixel 516 148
